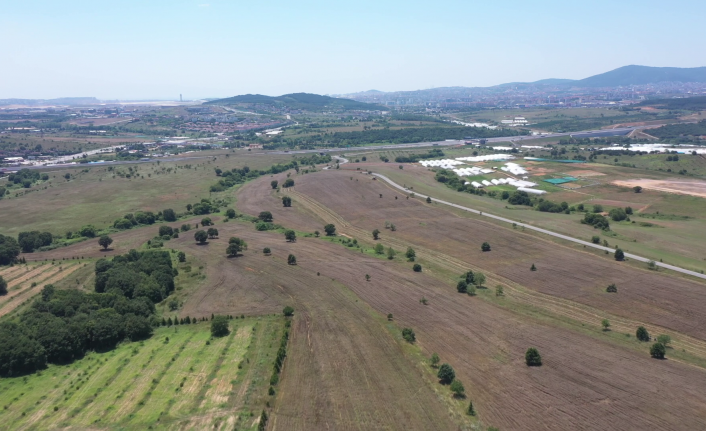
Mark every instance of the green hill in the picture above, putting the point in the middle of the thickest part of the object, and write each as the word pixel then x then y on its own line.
pixel 303 101
pixel 638 75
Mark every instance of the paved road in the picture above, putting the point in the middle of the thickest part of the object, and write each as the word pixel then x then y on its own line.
pixel 544 231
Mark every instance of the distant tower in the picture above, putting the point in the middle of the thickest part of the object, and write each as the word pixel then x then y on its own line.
pixel 180 99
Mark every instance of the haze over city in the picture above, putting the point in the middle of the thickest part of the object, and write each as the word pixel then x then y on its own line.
pixel 208 48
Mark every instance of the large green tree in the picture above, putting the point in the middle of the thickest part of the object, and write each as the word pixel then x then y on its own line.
pixel 9 249
pixel 446 374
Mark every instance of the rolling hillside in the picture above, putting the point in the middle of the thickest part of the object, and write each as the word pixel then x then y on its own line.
pixel 304 101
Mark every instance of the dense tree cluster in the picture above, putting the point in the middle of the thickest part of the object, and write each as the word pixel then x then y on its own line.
pixel 596 220
pixel 31 241
pixel 677 130
pixel 139 218
pixel 9 249
pixel 26 177
pixel 414 158
pixel 61 325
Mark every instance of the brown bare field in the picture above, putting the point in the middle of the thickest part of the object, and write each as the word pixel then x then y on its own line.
pixel 585 173
pixel 645 296
pixel 693 188
pixel 344 369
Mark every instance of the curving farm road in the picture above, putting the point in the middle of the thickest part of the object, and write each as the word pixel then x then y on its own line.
pixel 544 231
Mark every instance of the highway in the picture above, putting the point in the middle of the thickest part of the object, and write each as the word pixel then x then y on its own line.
pixel 537 229
pixel 584 134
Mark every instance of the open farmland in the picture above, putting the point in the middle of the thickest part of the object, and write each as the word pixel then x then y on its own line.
pixel 681 242
pixel 97 195
pixel 177 379
pixel 338 369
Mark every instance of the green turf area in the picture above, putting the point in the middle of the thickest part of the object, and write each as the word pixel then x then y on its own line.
pixel 180 377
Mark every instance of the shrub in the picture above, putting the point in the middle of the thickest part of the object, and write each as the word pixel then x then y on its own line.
pixel 642 334
pixel 595 239
pixel 288 311
pixel 376 234
pixel 485 247
pixel 462 286
pixel 533 358
pixel 408 335
pixel 165 230
pixel 169 215
pixel 288 183
pixel 266 250
pixel 446 374
pixel 291 260
pixel 181 256
pixel 658 351
pixel 664 339
pixel 379 249
pixel 265 216
pixel 290 235
pixel 458 389
pixel 417 267
pixel 612 288
pixel 330 229
pixel 201 236
pixel 434 360
pixel 286 201
pixel 219 326
pixel 230 213
pixel 471 411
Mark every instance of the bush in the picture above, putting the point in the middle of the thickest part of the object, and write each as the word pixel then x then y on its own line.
pixel 596 220
pixel 219 326
pixel 266 250
pixel 596 239
pixel 379 248
pixel 446 374
pixel 181 256
pixel 201 236
pixel 618 214
pixel 664 339
pixel 265 216
pixel 458 389
pixel 417 267
pixel 408 335
pixel 612 288
pixel 291 260
pixel 230 213
pixel 169 215
pixel 642 334
pixel 462 286
pixel 288 311
pixel 533 358
pixel 485 247
pixel 658 351
pixel 286 201
pixel 165 230
pixel 288 183
pixel 290 235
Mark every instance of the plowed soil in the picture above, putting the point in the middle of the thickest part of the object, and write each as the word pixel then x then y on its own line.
pixel 643 295
pixel 345 370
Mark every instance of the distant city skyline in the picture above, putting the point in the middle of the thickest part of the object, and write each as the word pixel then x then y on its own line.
pixel 163 49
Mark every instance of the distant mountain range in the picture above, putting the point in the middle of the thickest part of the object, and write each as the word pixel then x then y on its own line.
pixel 302 101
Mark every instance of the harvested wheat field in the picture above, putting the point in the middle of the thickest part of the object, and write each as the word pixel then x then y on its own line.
pixel 347 367
pixel 645 296
pixel 693 188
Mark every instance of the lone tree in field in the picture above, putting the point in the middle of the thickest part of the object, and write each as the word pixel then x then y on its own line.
pixel 235 246
pixel 286 201
pixel 410 254
pixel 230 213
pixel 417 267
pixel 376 234
pixel 274 184
pixel 434 360
pixel 485 247
pixel 619 255
pixel 105 241
pixel 428 199
pixel 330 230
pixel 533 358
pixel 533 268
pixel 291 260
pixel 288 311
pixel 664 339
pixel 637 189
pixel 206 221
pixel 462 286
pixel 290 235
pixel 446 374
pixel 201 236
pixel 612 288
pixel 470 411
pixel 219 326
pixel 606 324
pixel 458 389
pixel 212 232
pixel 367 277
pixel 408 335
pixel 266 251
pixel 288 183
pixel 658 351
pixel 642 334
pixel 3 286
pixel 480 279
pixel 265 216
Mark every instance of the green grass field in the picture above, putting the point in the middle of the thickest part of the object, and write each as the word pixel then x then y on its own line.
pixel 179 378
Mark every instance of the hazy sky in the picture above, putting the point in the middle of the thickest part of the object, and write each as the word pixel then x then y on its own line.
pixel 145 49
